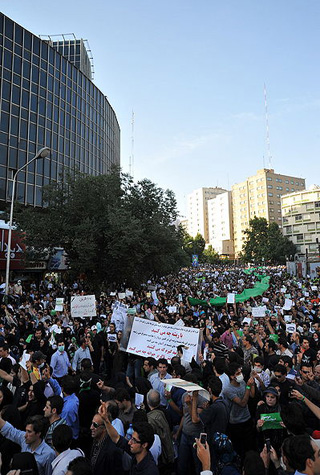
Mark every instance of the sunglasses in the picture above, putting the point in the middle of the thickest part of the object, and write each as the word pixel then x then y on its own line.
pixel 96 425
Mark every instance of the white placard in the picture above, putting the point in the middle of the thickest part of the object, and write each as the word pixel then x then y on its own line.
pixel 172 309
pixel 162 291
pixel 179 323
pixel 83 306
pixel 306 294
pixel 283 290
pixel 314 287
pixel 119 314
pixel 138 400
pixel 288 303
pixel 121 295
pixel 288 318
pixel 265 300
pixel 25 357
pixel 129 293
pixel 299 285
pixel 160 340
pixel 155 298
pixel 291 327
pixel 59 304
pixel 246 320
pixel 113 294
pixel 231 298
pixel 187 386
pixel 259 312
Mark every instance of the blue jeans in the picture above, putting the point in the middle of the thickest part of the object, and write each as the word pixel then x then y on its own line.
pixel 187 454
pixel 134 368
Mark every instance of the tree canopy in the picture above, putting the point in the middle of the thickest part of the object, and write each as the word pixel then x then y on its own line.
pixel 194 245
pixel 265 242
pixel 112 229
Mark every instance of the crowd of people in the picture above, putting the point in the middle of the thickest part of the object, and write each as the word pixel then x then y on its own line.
pixel 72 400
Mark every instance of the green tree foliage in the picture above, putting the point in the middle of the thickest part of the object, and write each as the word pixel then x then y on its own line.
pixel 113 230
pixel 265 242
pixel 194 245
pixel 210 256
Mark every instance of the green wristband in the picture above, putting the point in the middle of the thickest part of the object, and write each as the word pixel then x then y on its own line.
pixel 303 399
pixel 248 387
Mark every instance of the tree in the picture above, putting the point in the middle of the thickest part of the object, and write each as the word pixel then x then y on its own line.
pixel 113 230
pixel 194 245
pixel 265 242
pixel 210 256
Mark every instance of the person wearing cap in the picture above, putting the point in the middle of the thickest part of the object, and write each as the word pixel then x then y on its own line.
pixel 269 405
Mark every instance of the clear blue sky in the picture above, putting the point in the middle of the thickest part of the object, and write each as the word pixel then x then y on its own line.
pixel 193 72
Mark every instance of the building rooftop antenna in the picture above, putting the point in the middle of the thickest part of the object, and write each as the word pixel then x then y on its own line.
pixel 267 126
pixel 131 159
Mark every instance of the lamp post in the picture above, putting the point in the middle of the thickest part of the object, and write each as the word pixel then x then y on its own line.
pixel 42 153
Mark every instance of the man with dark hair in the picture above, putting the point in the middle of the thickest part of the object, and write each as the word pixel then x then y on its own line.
pixel 150 367
pixel 156 380
pixel 52 412
pixel 280 380
pixel 84 351
pixel 71 405
pixel 270 356
pixel 249 351
pixel 126 408
pixel 79 466
pixel 138 446
pixel 303 455
pixel 31 440
pixel 61 441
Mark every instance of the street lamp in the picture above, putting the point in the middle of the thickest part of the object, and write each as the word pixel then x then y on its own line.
pixel 42 153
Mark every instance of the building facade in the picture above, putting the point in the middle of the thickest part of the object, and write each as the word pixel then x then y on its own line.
pixel 220 224
pixel 301 220
pixel 197 210
pixel 260 195
pixel 46 100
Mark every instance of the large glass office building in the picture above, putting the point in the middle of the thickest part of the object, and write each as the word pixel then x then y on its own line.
pixel 48 99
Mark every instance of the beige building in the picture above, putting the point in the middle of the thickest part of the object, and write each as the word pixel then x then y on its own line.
pixel 220 224
pixel 260 195
pixel 197 210
pixel 301 220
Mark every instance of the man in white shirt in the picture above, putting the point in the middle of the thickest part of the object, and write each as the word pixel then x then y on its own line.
pixel 61 441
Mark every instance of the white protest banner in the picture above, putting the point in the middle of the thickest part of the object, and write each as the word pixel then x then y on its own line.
pixel 288 318
pixel 259 312
pixel 59 305
pixel 306 294
pixel 283 289
pixel 162 291
pixel 83 306
pixel 231 298
pixel 265 300
pixel 129 293
pixel 113 294
pixel 314 287
pixel 187 386
pixel 119 314
pixel 287 304
pixel 121 295
pixel 160 340
pixel 291 327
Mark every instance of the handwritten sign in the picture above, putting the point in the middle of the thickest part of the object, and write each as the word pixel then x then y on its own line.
pixel 160 340
pixel 59 304
pixel 259 312
pixel 83 306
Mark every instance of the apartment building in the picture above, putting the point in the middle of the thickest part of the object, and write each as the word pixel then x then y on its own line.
pixel 260 195
pixel 220 224
pixel 301 220
pixel 197 210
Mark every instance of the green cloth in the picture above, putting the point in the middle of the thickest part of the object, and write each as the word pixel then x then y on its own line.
pixel 258 289
pixel 274 337
pixel 272 421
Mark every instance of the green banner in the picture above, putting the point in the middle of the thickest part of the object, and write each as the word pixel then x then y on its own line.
pixel 258 289
pixel 271 421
